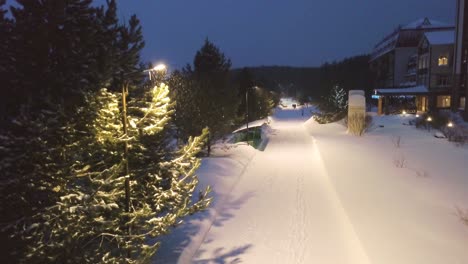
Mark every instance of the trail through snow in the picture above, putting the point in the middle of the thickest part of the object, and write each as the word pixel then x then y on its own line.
pixel 290 211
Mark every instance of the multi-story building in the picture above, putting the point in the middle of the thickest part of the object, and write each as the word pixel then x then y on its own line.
pixel 435 68
pixel 416 61
pixel 390 56
pixel 460 67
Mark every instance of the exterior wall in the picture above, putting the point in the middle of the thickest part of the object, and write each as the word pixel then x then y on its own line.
pixel 460 84
pixel 459 36
pixel 402 56
pixel 440 77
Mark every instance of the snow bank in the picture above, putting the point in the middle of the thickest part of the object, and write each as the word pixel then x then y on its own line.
pixel 220 171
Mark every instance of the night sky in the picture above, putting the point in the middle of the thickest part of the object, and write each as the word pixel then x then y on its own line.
pixel 274 32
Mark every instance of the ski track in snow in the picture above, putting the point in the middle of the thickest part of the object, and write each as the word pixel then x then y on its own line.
pixel 293 214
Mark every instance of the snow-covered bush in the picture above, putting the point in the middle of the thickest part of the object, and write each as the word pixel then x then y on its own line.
pixel 455 134
pixel 435 120
pixel 325 118
pixel 439 120
pixel 358 124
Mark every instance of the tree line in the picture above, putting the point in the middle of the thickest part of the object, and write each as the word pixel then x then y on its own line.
pixel 316 83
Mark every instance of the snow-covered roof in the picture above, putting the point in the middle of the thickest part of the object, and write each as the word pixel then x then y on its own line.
pixel 404 36
pixel 426 23
pixel 411 90
pixel 388 44
pixel 440 37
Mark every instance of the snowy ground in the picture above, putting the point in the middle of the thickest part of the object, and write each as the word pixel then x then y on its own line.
pixel 319 195
pixel 401 215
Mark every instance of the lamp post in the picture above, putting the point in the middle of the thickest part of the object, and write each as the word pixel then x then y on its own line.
pixel 160 67
pixel 247 111
pixel 247 114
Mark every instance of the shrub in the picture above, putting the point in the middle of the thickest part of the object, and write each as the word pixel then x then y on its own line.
pixel 439 120
pixel 332 107
pixel 455 134
pixel 328 117
pixel 358 124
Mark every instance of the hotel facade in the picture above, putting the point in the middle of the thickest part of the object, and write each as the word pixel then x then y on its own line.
pixel 425 60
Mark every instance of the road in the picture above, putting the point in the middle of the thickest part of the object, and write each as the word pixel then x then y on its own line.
pixel 284 208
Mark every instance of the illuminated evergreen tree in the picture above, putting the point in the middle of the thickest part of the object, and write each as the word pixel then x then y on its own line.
pixel 121 187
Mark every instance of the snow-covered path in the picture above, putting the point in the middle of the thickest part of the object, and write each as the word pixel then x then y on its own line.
pixel 287 210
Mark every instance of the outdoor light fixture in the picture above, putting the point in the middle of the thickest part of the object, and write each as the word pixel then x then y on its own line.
pixel 404 112
pixel 159 67
pixel 429 119
pixel 450 124
pixel 417 115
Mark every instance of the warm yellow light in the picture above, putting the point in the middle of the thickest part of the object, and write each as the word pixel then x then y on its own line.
pixel 429 119
pixel 159 67
pixel 450 124
pixel 443 61
pixel 404 112
pixel 417 115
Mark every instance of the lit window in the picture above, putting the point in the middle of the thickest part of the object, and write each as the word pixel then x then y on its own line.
pixel 443 61
pixel 443 101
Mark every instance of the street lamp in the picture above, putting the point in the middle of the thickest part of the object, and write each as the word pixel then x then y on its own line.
pixel 247 111
pixel 158 68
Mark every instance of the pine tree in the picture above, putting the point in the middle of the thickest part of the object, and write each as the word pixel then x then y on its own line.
pixel 245 84
pixel 338 99
pixel 64 48
pixel 33 164
pixel 6 62
pixel 115 199
pixel 188 116
pixel 335 102
pixel 206 90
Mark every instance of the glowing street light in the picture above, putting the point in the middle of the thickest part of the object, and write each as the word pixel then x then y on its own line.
pixel 158 68
pixel 450 124
pixel 417 115
pixel 404 112
pixel 429 119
